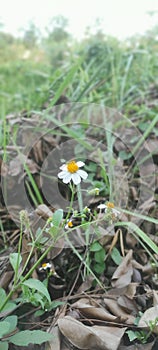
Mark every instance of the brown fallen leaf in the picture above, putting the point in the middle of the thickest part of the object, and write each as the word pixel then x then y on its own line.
pixel 155 297
pixel 123 274
pixel 43 211
pixel 5 279
pixel 118 311
pixel 150 315
pixel 55 343
pixel 127 304
pixel 94 312
pixel 129 291
pixel 94 338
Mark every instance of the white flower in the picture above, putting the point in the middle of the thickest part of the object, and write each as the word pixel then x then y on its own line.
pixel 102 207
pixel 109 208
pixel 71 171
pixel 45 266
pixel 69 225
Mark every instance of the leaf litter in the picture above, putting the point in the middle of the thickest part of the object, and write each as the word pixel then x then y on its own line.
pixel 90 317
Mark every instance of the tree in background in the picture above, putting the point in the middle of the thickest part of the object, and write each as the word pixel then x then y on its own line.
pixel 31 36
pixel 57 40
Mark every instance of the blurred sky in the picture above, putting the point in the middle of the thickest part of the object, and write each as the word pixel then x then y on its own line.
pixel 121 18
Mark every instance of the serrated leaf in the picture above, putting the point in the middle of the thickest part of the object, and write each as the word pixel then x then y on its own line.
pixel 24 338
pixel 15 260
pixel 39 286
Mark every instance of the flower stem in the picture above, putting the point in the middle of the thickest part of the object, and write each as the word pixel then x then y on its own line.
pixel 79 196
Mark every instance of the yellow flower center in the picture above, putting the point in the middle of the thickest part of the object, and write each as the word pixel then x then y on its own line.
pixel 44 265
pixel 110 205
pixel 72 167
pixel 70 224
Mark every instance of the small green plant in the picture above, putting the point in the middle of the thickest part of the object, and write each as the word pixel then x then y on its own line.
pixel 142 335
pixel 9 334
pixel 97 257
pixel 32 290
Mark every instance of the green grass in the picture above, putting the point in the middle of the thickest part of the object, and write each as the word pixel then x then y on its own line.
pixel 96 74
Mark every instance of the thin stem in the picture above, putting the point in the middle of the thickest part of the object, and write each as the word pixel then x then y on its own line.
pixel 15 287
pixel 84 262
pixel 79 196
pixel 19 251
pixel 71 201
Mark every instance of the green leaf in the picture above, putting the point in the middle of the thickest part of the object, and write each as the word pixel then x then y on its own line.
pixel 4 328
pixel 125 155
pixel 4 345
pixel 116 257
pixel 65 83
pixel 140 233
pixel 100 256
pixel 131 335
pixel 37 285
pixel 54 304
pixel 95 246
pixel 39 313
pixel 2 296
pixel 99 268
pixel 8 307
pixel 12 321
pixel 24 338
pixel 57 217
pixel 15 260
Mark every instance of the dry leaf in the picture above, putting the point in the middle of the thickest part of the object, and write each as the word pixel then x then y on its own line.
pixel 127 304
pixel 150 315
pixel 122 275
pixel 55 343
pixel 116 310
pixel 94 312
pixel 94 338
pixel 43 211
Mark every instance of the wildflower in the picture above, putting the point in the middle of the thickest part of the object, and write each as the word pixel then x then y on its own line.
pixel 107 208
pixel 102 207
pixel 94 191
pixel 45 266
pixel 69 224
pixel 24 218
pixel 86 210
pixel 71 171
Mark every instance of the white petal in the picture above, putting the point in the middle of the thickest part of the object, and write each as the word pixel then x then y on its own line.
pixel 63 167
pixel 62 174
pixel 67 178
pixel 76 178
pixel 80 164
pixel 82 173
pixel 102 206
